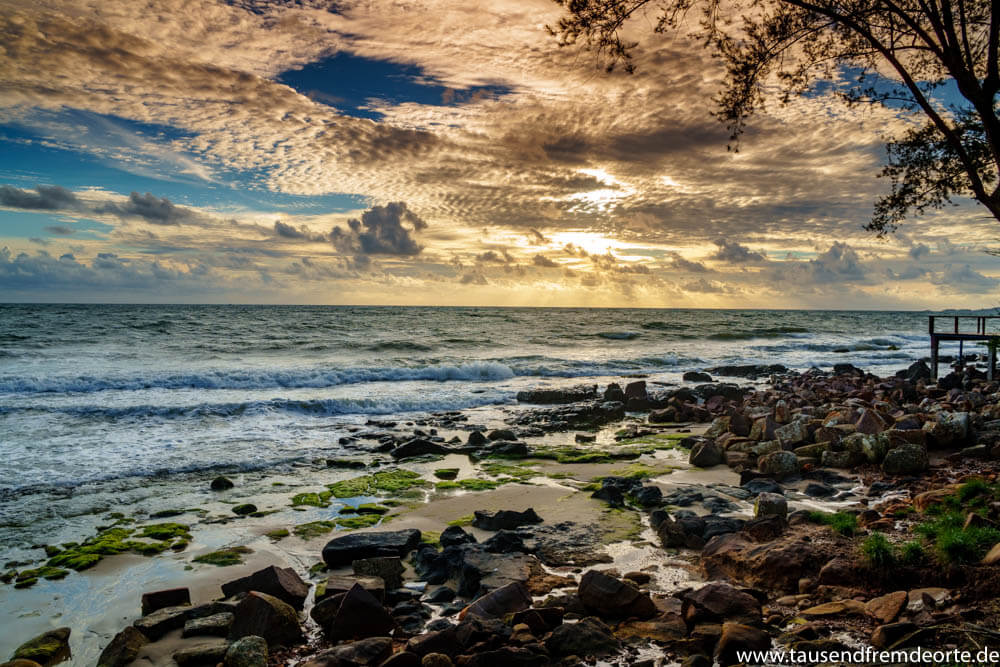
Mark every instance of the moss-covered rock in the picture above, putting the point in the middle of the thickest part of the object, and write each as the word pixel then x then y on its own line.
pixel 446 473
pixel 308 531
pixel 165 531
pixel 321 499
pixel 46 649
pixel 360 521
pixel 244 509
pixel 224 557
pixel 278 534
pixel 389 481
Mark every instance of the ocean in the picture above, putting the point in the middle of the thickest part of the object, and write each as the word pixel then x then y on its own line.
pixel 96 393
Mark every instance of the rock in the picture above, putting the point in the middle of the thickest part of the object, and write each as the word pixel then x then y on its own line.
pixel 765 528
pixel 205 652
pixel 992 557
pixel 344 550
pixel 402 659
pixel 793 434
pixel 636 391
pixel 695 376
pixel 216 625
pixel 368 652
pixel 244 509
pixel 835 608
pixel 337 584
pixel 761 485
pixel 505 600
pixel 770 504
pixel 832 459
pixel 248 651
pixel 614 393
pixel 162 621
pixel 553 396
pixel 705 454
pixel 737 638
pixel 951 429
pixel 924 500
pixel 717 602
pixel 171 597
pixel 815 490
pixel 779 465
pixel 663 628
pixel 589 636
pixel 504 542
pixel 387 568
pixel 443 641
pixel 888 635
pixel 886 608
pixel 905 460
pixel 676 533
pixel 869 422
pixel 281 582
pixel 775 566
pixel 266 616
pixel 46 649
pixel 436 660
pixel 648 496
pixel 418 447
pixel 613 598
pixel 123 649
pixel 918 370
pixel 222 483
pixel 921 599
pixel 453 535
pixel 505 519
pixel 356 615
pixel 838 572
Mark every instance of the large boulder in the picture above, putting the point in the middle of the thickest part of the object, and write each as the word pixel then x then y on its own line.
pixel 505 519
pixel 950 429
pixel 498 603
pixel 250 651
pixel 589 636
pixel 613 598
pixel 123 649
pixel 736 639
pixel 281 582
pixel 770 504
pixel 368 652
pixel 356 614
pixel 418 447
pixel 793 434
pixel 906 459
pixel 171 597
pixel 705 454
pixel 718 602
pixel 779 465
pixel 774 566
pixel 552 396
pixel 344 550
pixel 387 568
pixel 201 653
pixel 337 584
pixel 46 649
pixel 266 616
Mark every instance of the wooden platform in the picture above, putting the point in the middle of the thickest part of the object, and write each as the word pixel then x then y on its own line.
pixel 956 332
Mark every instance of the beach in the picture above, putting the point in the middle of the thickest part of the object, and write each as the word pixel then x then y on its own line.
pixel 330 426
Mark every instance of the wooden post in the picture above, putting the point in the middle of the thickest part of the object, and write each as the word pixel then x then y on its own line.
pixel 934 357
pixel 993 362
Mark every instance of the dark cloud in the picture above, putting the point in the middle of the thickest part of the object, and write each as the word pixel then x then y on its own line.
pixel 909 273
pixel 494 257
pixel 473 278
pixel 381 231
pixel 734 253
pixel 536 236
pixel 149 207
pixel 44 198
pixel 542 260
pixel 286 231
pixel 60 230
pixel 919 250
pixel 839 264
pixel 964 279
pixel 679 263
pixel 703 286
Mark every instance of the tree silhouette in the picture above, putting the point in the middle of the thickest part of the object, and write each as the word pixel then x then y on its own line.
pixel 935 61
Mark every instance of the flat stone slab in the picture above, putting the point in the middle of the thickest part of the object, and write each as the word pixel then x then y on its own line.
pixel 345 550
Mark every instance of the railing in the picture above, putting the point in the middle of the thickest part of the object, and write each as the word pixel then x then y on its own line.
pixel 981 334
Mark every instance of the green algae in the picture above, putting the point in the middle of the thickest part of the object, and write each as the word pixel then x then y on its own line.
pixel 360 521
pixel 224 557
pixel 658 441
pixel 446 473
pixel 371 508
pixel 308 531
pixel 519 471
pixel 463 520
pixel 166 514
pixel 278 534
pixel 27 578
pixel 165 531
pixel 430 537
pixel 472 484
pixel 321 499
pixel 389 481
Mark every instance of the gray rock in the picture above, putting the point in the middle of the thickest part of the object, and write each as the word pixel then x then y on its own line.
pixel 345 550
pixel 248 651
pixel 793 434
pixel 906 459
pixel 418 447
pixel 505 519
pixel 705 454
pixel 363 653
pixel 205 652
pixel 263 615
pixel 172 597
pixel 770 504
pixel 387 568
pixel 281 582
pixel 162 621
pixel 216 625
pixel 123 649
pixel 779 465
pixel 589 636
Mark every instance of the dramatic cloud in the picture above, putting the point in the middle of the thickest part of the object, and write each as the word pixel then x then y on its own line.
pixel 44 198
pixel 734 253
pixel 919 250
pixel 152 209
pixel 286 231
pixel 679 263
pixel 381 231
pixel 543 261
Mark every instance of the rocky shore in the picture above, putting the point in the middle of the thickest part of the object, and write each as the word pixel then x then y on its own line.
pixel 816 512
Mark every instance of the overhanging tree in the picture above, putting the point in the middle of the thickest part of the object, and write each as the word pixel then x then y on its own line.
pixel 934 60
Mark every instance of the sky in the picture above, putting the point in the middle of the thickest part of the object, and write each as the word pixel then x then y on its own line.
pixel 432 152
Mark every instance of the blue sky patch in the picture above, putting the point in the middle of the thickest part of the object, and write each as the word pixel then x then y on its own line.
pixel 348 83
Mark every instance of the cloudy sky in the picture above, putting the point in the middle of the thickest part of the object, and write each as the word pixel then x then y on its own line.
pixel 430 152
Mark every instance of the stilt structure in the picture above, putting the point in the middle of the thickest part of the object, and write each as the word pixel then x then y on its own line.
pixel 953 332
